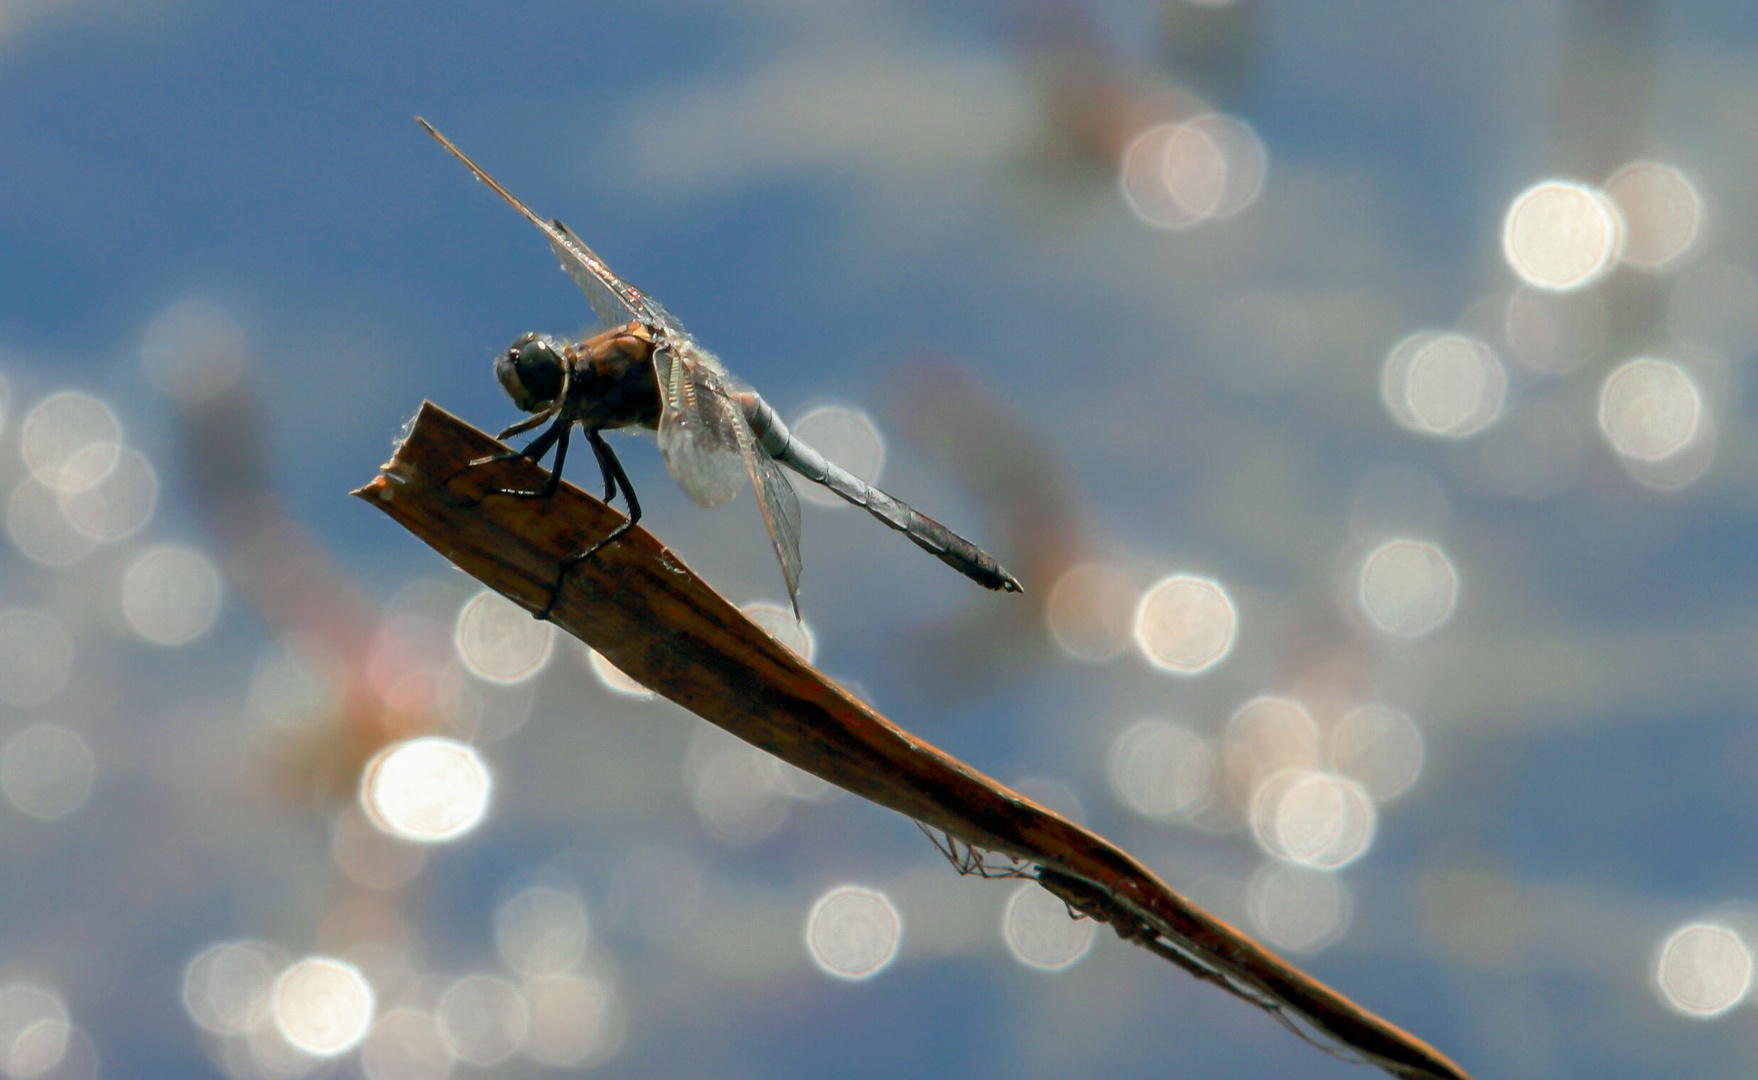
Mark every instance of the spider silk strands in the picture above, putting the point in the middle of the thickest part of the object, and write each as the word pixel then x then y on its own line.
pixel 640 607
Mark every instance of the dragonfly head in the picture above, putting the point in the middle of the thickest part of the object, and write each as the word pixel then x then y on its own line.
pixel 530 371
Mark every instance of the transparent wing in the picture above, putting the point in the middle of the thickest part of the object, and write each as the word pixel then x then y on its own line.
pixel 614 300
pixel 781 515
pixel 702 433
pixel 711 451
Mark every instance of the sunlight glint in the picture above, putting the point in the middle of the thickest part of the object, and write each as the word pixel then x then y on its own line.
pixel 853 932
pixel 1185 624
pixel 1560 235
pixel 322 1006
pixel 428 789
pixel 1704 970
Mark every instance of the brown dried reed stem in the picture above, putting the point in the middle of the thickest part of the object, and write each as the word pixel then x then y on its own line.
pixel 648 614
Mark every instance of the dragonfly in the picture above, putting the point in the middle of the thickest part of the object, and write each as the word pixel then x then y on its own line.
pixel 715 434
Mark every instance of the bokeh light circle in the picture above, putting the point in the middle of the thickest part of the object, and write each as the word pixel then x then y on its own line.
pixel 1680 470
pixel 296 682
pixel 847 437
pixel 70 440
pixel 732 786
pixel 499 641
pixel 483 1020
pixel 1264 736
pixel 1395 376
pixel 779 622
pixel 34 1031
pixel 370 857
pixel 428 789
pixel 576 1021
pixel 46 771
pixel 1555 333
pixel 116 506
pixel 1185 624
pixel 171 595
pixel 1560 235
pixel 1649 409
pixel 228 985
pixel 1313 818
pixel 1244 164
pixel 193 351
pixel 322 1006
pixel 612 677
pixel 1161 770
pixel 1194 170
pixel 1041 933
pixel 1704 970
pixel 541 931
pixel 786 778
pixel 1296 907
pixel 1454 386
pixel 1379 747
pixel 853 932
pixel 1407 588
pixel 1662 213
pixel 1209 167
pixel 1142 179
pixel 1089 612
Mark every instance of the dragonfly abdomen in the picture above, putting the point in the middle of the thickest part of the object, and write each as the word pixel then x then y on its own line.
pixel 929 535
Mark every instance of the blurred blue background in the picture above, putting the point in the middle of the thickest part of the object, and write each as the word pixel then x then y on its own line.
pixel 219 223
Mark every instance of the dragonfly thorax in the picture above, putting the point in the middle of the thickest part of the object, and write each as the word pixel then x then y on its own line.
pixel 530 371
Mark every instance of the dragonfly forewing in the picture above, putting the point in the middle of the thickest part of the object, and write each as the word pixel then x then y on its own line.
pixel 613 299
pixel 611 305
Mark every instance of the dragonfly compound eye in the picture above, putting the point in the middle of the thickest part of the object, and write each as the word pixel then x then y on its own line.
pixel 530 372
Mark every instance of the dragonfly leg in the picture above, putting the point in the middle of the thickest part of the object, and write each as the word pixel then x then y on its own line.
pixel 614 478
pixel 555 472
pixel 534 450
pixel 526 424
pixel 522 426
pixel 608 467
